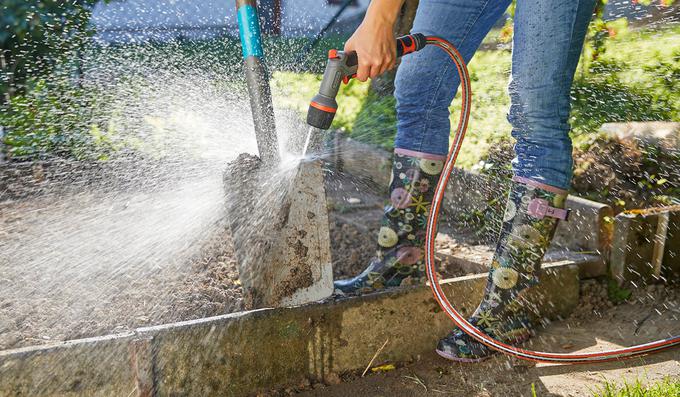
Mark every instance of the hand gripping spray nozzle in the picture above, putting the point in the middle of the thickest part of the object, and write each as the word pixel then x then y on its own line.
pixel 341 67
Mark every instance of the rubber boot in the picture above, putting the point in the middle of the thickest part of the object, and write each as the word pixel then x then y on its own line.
pixel 400 255
pixel 531 216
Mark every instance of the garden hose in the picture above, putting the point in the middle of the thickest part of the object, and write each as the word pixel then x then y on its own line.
pixel 460 321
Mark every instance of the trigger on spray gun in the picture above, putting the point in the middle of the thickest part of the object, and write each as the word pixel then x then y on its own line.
pixel 341 67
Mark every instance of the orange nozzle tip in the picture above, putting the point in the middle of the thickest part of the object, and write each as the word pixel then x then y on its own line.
pixel 322 107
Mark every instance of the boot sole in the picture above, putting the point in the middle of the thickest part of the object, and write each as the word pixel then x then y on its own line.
pixel 461 359
pixel 476 360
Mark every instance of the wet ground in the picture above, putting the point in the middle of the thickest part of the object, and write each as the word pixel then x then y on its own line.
pixel 356 208
pixel 80 264
pixel 74 267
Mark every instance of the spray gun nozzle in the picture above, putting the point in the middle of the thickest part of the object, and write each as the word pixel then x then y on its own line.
pixel 321 112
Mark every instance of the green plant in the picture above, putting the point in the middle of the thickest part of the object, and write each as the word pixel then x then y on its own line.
pixel 603 98
pixel 665 388
pixel 52 120
pixel 376 120
pixel 36 35
pixel 616 293
pixel 599 30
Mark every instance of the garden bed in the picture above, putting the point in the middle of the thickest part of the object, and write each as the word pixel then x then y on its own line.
pixel 82 259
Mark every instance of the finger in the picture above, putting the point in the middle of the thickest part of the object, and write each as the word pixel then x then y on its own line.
pixel 388 64
pixel 382 69
pixel 375 70
pixel 363 71
pixel 392 62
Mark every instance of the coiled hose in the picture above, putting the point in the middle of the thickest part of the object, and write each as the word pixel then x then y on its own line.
pixel 460 321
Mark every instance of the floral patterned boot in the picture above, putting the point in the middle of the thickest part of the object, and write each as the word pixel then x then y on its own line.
pixel 400 256
pixel 531 216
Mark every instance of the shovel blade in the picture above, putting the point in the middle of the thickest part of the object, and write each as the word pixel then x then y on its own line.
pixel 280 232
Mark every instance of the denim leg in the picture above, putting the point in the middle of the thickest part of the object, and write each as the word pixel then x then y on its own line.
pixel 427 80
pixel 548 37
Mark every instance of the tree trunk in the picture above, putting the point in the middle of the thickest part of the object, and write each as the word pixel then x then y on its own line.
pixel 384 84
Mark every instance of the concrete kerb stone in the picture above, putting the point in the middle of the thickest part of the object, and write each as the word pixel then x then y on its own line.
pixel 240 353
pixel 3 149
pixel 585 238
pixel 588 232
pixel 671 256
pixel 87 367
pixel 665 133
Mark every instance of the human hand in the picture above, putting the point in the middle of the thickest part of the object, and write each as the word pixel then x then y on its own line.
pixel 373 41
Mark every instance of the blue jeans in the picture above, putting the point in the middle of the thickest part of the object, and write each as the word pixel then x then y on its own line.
pixel 548 37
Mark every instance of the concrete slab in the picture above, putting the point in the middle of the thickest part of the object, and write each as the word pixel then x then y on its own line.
pixel 650 132
pixel 239 353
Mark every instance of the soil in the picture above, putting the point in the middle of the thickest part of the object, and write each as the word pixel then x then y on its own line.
pixel 650 314
pixel 53 289
pixel 62 277
pixel 628 173
pixel 625 173
pixel 42 303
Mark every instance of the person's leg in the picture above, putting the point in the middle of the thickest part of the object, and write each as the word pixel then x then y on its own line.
pixel 546 48
pixel 548 39
pixel 426 83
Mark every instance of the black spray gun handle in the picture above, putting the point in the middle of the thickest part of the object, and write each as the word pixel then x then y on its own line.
pixel 341 67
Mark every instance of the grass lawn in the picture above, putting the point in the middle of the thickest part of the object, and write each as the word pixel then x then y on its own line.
pixel 666 388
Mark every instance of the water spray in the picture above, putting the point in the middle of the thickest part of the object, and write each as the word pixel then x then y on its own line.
pixel 342 67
